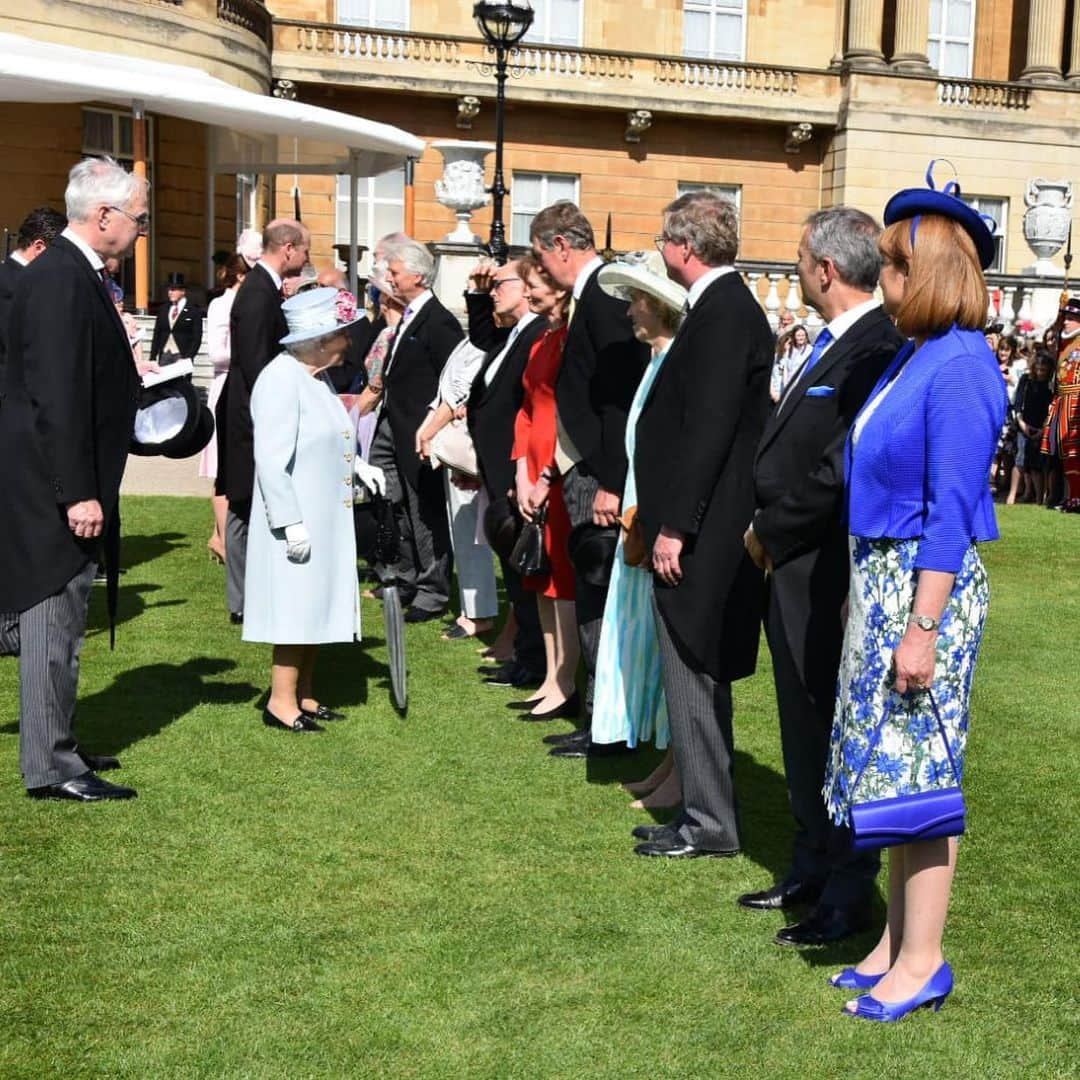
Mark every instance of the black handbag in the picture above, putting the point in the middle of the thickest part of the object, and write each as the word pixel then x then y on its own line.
pixel 908 819
pixel 529 557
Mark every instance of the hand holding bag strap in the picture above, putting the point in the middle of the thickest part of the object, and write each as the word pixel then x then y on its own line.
pixel 876 737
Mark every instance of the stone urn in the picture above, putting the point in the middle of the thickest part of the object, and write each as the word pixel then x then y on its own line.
pixel 1047 220
pixel 462 188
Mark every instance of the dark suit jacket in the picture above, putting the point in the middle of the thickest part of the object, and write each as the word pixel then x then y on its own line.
pixel 799 491
pixel 413 380
pixel 602 365
pixel 493 409
pixel 694 470
pixel 361 337
pixel 68 408
pixel 187 331
pixel 256 325
pixel 10 272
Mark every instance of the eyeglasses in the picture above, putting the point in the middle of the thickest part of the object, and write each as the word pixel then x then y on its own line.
pixel 141 220
pixel 496 285
pixel 660 241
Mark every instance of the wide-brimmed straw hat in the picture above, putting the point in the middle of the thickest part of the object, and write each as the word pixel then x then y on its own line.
pixel 312 315
pixel 646 272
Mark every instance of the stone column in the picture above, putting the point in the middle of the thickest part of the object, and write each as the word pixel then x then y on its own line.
pixel 912 28
pixel 839 23
pixel 864 34
pixel 1046 37
pixel 1074 52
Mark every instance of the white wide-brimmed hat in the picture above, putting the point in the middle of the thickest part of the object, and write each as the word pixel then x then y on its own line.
pixel 646 272
pixel 313 314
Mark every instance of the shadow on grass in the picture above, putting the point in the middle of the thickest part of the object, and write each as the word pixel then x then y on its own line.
pixel 130 604
pixel 136 550
pixel 145 700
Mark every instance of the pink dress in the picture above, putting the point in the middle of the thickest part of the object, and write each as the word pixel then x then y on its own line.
pixel 219 349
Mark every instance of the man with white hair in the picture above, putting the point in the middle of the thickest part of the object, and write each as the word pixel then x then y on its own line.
pixel 69 399
pixel 425 337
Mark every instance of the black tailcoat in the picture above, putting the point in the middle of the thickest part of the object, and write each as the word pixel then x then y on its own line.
pixel 187 333
pixel 602 365
pixel 693 465
pixel 256 325
pixel 10 272
pixel 799 491
pixel 69 396
pixel 412 383
pixel 493 409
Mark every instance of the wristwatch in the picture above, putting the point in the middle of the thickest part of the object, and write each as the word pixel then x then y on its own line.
pixel 924 622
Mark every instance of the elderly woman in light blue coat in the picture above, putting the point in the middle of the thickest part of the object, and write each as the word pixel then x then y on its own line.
pixel 301 581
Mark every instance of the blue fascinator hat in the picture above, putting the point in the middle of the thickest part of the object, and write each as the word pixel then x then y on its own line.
pixel 911 203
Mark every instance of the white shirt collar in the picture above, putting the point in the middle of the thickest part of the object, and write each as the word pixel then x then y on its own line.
pixel 92 257
pixel 414 305
pixel 275 277
pixel 585 273
pixel 847 319
pixel 703 282
pixel 179 305
pixel 496 364
pixel 15 257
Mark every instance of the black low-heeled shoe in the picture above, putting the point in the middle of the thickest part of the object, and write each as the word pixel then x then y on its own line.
pixel 568 710
pixel 302 724
pixel 323 713
pixel 518 705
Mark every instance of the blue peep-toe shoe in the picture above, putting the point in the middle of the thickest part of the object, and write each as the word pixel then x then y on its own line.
pixel 850 979
pixel 933 994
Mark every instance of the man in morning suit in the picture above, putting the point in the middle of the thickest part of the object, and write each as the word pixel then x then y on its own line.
pixel 179 326
pixel 501 323
pixel 694 467
pixel 67 410
pixel 602 365
pixel 39 229
pixel 256 326
pixel 799 535
pixel 426 336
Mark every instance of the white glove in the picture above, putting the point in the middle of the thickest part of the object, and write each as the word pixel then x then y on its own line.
pixel 297 543
pixel 371 476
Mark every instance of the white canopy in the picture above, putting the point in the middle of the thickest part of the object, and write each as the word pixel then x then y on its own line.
pixel 319 140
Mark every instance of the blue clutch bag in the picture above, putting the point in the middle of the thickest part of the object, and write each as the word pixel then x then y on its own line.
pixel 909 819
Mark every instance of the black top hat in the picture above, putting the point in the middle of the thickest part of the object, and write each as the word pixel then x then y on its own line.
pixel 171 421
pixel 592 551
pixel 1071 308
pixel 175 281
pixel 502 526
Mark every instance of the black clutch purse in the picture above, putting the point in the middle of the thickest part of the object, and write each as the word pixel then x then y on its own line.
pixel 529 558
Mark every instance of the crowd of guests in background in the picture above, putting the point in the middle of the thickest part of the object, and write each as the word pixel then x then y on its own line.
pixel 658 476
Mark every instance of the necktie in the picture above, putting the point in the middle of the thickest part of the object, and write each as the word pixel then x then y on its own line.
pixel 174 313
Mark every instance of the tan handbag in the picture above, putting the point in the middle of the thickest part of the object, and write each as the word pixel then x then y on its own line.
pixel 633 552
pixel 453 446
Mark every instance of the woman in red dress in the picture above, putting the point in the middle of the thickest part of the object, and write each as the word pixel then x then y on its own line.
pixel 538 484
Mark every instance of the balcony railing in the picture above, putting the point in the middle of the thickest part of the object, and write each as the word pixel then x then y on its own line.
pixel 727 76
pixel 968 94
pixel 250 15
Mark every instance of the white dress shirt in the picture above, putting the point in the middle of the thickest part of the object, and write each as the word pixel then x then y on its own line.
pixel 703 282
pixel 493 367
pixel 92 257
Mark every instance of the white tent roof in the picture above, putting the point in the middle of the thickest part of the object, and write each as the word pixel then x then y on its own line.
pixel 318 140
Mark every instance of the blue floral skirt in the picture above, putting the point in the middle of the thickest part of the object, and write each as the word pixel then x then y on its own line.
pixel 910 756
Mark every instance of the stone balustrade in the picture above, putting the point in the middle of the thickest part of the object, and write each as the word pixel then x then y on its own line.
pixel 704 74
pixel 250 15
pixel 966 93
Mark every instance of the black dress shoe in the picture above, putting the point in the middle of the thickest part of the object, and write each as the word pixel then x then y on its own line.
pixel 651 832
pixel 236 618
pixel 323 713
pixel 303 723
pixel 418 615
pixel 568 710
pixel 823 926
pixel 589 749
pixel 567 738
pixel 98 762
pixel 785 894
pixel 673 846
pixel 519 705
pixel 84 788
pixel 515 676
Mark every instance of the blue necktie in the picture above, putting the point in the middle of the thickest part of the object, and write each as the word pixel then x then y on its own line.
pixel 824 340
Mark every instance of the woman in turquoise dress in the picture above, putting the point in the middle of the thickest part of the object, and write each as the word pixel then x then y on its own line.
pixel 918 456
pixel 628 703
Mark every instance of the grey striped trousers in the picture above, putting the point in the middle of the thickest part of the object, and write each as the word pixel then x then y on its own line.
pixel 48 638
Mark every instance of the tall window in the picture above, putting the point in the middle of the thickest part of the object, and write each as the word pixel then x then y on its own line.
pixel 952 34
pixel 998 210
pixel 378 14
pixel 530 193
pixel 246 192
pixel 714 29
pixel 557 22
pixel 731 192
pixel 381 209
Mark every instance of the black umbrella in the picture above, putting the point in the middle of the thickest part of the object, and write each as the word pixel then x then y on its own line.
pixel 394 624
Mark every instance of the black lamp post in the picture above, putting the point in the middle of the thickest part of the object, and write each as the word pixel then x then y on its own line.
pixel 503 23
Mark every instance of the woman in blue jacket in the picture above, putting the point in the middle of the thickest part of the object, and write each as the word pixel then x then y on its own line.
pixel 918 458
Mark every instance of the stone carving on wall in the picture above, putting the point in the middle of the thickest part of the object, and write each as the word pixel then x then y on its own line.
pixel 1047 220
pixel 462 187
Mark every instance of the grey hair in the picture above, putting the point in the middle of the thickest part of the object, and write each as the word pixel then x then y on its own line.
pixel 849 239
pixel 708 222
pixel 100 181
pixel 415 258
pixel 564 219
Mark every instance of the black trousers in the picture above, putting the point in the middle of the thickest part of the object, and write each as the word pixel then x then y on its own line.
pixel 529 640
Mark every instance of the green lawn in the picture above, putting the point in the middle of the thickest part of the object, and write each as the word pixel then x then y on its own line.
pixel 434 896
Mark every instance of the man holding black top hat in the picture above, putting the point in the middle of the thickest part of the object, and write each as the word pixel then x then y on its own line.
pixel 179 326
